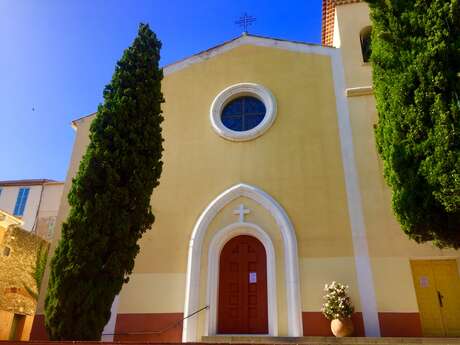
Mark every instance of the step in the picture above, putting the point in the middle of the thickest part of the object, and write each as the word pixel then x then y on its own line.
pixel 246 339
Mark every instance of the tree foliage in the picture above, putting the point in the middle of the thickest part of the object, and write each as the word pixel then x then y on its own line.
pixel 110 197
pixel 416 63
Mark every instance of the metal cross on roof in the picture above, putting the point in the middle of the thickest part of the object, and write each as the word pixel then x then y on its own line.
pixel 245 21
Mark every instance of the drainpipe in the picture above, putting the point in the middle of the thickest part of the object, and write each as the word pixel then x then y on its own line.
pixel 34 227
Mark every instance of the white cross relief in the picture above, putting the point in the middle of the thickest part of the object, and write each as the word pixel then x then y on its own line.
pixel 241 212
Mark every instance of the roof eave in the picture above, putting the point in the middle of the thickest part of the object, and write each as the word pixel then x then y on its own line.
pixel 25 182
pixel 81 119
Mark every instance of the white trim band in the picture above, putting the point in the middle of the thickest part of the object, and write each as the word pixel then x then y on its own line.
pixel 355 204
pixel 230 93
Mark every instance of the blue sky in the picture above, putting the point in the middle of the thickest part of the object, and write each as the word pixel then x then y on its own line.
pixel 56 57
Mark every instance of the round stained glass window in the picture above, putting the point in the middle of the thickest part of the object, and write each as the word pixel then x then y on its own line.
pixel 243 113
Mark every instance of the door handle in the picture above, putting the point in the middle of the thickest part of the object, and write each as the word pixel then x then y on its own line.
pixel 440 297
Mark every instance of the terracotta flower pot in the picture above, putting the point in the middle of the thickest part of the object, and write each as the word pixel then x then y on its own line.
pixel 342 327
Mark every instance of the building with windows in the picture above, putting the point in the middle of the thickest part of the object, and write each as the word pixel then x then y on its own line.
pixel 35 202
pixel 271 188
pixel 28 210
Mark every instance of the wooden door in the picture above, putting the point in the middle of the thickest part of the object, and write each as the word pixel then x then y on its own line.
pixel 242 299
pixel 437 287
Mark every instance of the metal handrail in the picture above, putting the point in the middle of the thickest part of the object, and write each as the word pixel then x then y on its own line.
pixel 171 326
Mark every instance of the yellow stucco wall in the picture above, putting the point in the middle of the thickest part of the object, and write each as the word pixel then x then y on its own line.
pixel 153 293
pixel 316 272
pixel 297 161
pixel 199 165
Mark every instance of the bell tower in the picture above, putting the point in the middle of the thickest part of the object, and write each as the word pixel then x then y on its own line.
pixel 346 25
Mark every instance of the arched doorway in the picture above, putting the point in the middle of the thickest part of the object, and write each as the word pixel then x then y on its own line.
pixel 194 285
pixel 243 305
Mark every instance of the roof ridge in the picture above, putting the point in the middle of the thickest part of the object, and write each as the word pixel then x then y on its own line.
pixel 242 36
pixel 174 66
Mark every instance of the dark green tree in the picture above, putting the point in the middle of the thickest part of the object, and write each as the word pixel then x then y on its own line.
pixel 416 64
pixel 110 197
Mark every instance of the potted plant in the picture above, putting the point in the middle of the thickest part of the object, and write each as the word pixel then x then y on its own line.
pixel 338 308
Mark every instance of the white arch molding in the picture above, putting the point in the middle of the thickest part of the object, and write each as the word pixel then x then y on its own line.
pixel 292 283
pixel 215 248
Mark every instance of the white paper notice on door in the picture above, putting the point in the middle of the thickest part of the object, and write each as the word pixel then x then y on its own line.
pixel 424 282
pixel 252 277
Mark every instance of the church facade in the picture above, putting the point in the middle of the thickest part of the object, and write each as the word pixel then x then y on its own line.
pixel 272 187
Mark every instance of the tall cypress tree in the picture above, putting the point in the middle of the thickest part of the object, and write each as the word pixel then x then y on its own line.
pixel 110 197
pixel 416 65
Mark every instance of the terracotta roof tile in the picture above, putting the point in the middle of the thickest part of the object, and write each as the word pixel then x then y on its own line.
pixel 327 24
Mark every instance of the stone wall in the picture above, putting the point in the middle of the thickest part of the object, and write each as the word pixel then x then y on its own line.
pixel 18 258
